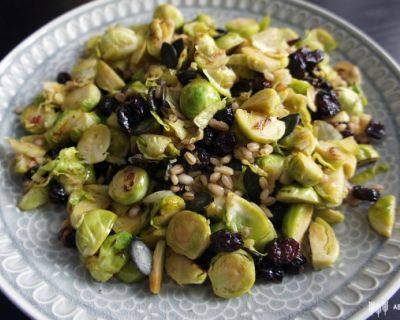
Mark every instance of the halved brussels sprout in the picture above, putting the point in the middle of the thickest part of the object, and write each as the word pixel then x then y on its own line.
pixel 156 147
pixel 34 198
pixel 273 165
pixel 208 55
pixel 243 26
pixel 370 173
pixel 112 257
pixel 348 72
pixel 350 101
pixel 324 245
pixel 107 79
pixel 222 79
pixel 304 170
pixel 157 270
pixel 132 224
pixel 160 31
pixel 249 219
pixel 85 70
pixel 272 39
pixel 207 19
pixel 94 229
pixel 183 270
pixel 317 39
pixel 216 209
pixel 329 215
pixel 232 274
pixel 119 144
pixel 301 139
pixel 94 143
pixel 26 148
pixel 117 43
pixel 297 194
pixel 381 215
pixel 38 118
pixel 366 154
pixel 129 185
pixel 168 11
pixel 266 102
pixel 333 189
pixel 300 86
pixel 151 236
pixel 196 97
pixel 168 206
pixel 85 98
pixel 259 128
pixel 196 28
pixel 324 131
pixel 130 273
pixel 188 233
pixel 262 62
pixel 84 121
pixel 81 202
pixel 229 41
pixel 297 220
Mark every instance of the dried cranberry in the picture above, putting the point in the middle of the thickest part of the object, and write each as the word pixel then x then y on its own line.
pixel 375 130
pixel 270 273
pixel 259 83
pixel 203 160
pixel 224 143
pixel 292 42
pixel 366 194
pixel 63 77
pixel 226 115
pixel 53 153
pixel 296 266
pixel 303 61
pixel 208 137
pixel 346 133
pixel 243 85
pixel 226 241
pixel 57 193
pixel 282 251
pixel 106 106
pixel 131 112
pixel 327 103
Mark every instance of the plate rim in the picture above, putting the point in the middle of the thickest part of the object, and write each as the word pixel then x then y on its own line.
pixel 385 292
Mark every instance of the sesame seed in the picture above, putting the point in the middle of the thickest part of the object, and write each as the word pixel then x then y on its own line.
pixel 228 171
pixel 185 179
pixel 190 158
pixel 216 189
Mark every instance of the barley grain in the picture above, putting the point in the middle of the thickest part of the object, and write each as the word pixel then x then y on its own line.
pixel 176 169
pixel 253 146
pixel 185 179
pixel 215 176
pixel 263 182
pixel 227 182
pixel 228 171
pixel 174 179
pixel 218 125
pixel 216 189
pixel 226 159
pixel 215 161
pixel 190 158
pixel 188 196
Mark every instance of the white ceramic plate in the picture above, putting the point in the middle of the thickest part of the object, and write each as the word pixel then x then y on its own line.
pixel 47 281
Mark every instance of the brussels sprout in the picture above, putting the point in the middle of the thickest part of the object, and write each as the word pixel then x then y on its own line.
pixel 317 39
pixel 107 79
pixel 304 170
pixel 301 139
pixel 229 41
pixel 366 154
pixel 94 229
pixel 381 215
pixel 26 148
pixel 350 101
pixel 337 152
pixel 94 143
pixel 119 144
pixel 151 236
pixel 222 79
pixel 350 166
pixel 207 19
pixel 156 147
pixel 195 28
pixel 182 270
pixel 188 233
pixel 112 257
pixel 118 43
pixel 258 127
pixel 167 11
pixel 324 245
pixel 85 98
pixel 329 215
pixel 249 219
pixel 300 86
pixel 216 209
pixel 272 39
pixel 296 221
pixel 129 273
pixel 160 31
pixel 264 23
pixel 129 185
pixel 272 164
pixel 37 118
pixel 81 202
pixel 348 72
pixel 157 270
pixel 84 121
pixel 34 198
pixel 197 96
pixel 262 62
pixel 266 102
pixel 207 54
pixel 85 70
pixel 232 274
pixel 297 194
pixel 333 189
pixel 242 26
pixel 168 206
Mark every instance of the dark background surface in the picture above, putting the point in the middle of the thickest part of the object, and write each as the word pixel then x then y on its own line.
pixel 380 19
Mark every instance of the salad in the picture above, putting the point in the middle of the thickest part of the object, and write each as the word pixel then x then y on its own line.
pixel 184 149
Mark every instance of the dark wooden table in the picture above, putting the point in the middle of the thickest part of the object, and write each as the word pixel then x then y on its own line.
pixel 378 18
